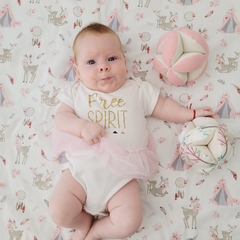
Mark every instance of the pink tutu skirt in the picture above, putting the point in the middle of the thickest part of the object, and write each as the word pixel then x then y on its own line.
pixel 138 163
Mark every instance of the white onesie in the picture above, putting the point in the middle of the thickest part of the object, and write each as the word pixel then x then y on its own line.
pixel 123 114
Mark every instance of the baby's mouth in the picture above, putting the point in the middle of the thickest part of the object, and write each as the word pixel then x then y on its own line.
pixel 107 79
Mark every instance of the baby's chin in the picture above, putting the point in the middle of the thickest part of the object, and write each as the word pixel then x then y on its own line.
pixel 107 86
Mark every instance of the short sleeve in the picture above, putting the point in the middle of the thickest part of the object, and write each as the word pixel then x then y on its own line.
pixel 150 95
pixel 68 94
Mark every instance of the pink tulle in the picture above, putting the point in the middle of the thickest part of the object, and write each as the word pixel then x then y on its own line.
pixel 137 163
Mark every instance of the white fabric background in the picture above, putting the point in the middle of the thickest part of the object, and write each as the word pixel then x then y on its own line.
pixel 31 35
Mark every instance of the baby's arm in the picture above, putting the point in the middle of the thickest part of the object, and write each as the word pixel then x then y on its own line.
pixel 67 121
pixel 169 110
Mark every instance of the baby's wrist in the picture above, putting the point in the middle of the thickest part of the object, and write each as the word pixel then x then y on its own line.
pixel 194 114
pixel 84 124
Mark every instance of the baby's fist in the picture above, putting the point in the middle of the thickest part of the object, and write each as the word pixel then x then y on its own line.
pixel 204 112
pixel 92 132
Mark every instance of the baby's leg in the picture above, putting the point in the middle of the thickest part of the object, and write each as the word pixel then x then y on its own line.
pixel 66 206
pixel 125 216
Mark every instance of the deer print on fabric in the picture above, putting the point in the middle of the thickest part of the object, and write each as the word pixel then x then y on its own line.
pixel 29 69
pixel 140 3
pixel 21 150
pixel 14 234
pixel 226 235
pixel 49 98
pixel 227 66
pixel 54 19
pixel 164 24
pixel 191 212
pixel 135 70
pixel 157 191
pixel 41 182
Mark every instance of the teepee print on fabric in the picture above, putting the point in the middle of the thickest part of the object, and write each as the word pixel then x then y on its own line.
pixel 4 101
pixel 225 108
pixel 231 23
pixel 58 234
pixel 222 195
pixel 177 163
pixel 61 158
pixel 69 73
pixel 3 95
pixel 187 2
pixel 115 22
pixel 6 17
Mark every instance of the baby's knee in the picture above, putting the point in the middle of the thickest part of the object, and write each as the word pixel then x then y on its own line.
pixel 59 213
pixel 136 225
pixel 130 228
pixel 131 224
pixel 56 214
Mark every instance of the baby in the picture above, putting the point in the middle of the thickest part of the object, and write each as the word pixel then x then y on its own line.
pixel 102 124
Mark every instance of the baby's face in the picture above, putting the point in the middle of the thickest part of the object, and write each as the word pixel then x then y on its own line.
pixel 100 64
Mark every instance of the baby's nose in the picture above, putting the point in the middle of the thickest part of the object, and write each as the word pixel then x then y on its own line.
pixel 104 68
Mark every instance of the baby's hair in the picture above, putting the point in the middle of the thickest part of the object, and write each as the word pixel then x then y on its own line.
pixel 96 28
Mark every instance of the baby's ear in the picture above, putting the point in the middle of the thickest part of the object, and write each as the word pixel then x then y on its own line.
pixel 77 71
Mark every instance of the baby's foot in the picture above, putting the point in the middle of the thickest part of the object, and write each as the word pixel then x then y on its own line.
pixel 79 235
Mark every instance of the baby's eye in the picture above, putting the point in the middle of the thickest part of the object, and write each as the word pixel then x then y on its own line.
pixel 111 59
pixel 90 62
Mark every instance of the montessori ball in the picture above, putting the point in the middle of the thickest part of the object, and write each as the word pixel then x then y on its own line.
pixel 181 56
pixel 205 144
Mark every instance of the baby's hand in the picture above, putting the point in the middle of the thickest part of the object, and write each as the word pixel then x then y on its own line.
pixel 92 132
pixel 204 112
